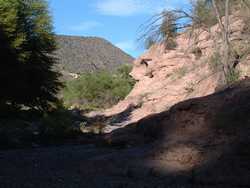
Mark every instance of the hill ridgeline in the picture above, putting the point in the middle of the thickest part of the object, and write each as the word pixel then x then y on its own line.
pixel 87 54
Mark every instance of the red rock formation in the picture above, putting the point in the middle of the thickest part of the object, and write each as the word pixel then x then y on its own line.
pixel 175 75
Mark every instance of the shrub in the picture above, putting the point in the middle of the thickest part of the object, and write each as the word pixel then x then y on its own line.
pixel 164 32
pixel 233 76
pixel 98 90
pixel 216 65
pixel 168 29
pixel 241 49
pixel 180 72
pixel 215 62
pixel 28 128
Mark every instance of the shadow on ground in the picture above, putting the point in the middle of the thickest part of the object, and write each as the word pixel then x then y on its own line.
pixel 201 142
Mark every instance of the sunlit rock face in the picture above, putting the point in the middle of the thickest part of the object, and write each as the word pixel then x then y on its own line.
pixel 171 76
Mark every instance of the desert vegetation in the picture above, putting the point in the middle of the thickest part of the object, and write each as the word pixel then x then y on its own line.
pixel 30 110
pixel 161 28
pixel 98 90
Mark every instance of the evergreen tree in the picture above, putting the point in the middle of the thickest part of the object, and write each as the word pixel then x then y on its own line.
pixel 26 35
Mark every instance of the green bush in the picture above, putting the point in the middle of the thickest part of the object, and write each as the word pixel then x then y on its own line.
pixel 215 64
pixel 98 90
pixel 233 76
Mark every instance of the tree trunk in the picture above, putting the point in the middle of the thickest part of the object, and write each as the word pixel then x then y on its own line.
pixel 226 60
pixel 225 36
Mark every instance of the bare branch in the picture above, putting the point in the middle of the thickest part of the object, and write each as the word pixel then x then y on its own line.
pixel 218 15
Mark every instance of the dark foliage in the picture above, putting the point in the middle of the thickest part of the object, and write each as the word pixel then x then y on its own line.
pixel 26 43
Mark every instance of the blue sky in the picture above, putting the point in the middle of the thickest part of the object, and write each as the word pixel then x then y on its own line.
pixel 118 21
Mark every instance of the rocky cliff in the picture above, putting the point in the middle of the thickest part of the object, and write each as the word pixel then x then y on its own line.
pixel 171 76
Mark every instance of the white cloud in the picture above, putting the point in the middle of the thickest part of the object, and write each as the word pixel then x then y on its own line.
pixel 130 7
pixel 85 26
pixel 126 45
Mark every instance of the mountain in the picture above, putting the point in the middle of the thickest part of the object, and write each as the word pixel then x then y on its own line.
pixel 86 54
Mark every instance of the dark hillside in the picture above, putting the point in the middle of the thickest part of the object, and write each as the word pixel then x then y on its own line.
pixel 87 54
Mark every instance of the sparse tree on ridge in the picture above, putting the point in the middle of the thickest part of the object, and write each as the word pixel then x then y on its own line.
pixel 203 15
